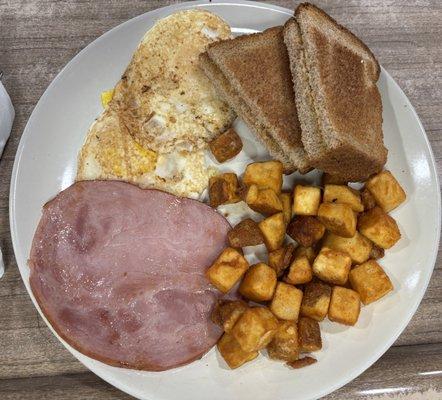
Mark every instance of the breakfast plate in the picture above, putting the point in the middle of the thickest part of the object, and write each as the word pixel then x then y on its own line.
pixel 46 163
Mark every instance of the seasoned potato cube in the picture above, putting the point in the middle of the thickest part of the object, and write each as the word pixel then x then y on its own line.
pixel 370 281
pixel 286 201
pixel 246 233
pixel 379 227
pixel 305 251
pixel 357 247
pixel 338 218
pixel 259 283
pixel 227 312
pixel 280 259
pixel 227 269
pixel 343 195
pixel 309 335
pixel 255 329
pixel 273 230
pixel 332 266
pixel 367 199
pixel 329 179
pixel 226 146
pixel 306 200
pixel 266 174
pixel 223 189
pixel 300 271
pixel 306 230
pixel 302 362
pixel 264 201
pixel 284 345
pixel 376 252
pixel 232 352
pixel 386 190
pixel 286 302
pixel 345 306
pixel 316 300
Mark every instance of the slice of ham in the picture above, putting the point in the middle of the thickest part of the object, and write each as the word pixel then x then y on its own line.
pixel 119 273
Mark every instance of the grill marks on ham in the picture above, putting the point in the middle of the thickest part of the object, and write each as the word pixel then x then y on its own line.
pixel 119 273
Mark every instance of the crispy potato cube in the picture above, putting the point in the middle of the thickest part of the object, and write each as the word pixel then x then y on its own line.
pixel 330 179
pixel 305 251
pixel 302 362
pixel 280 259
pixel 286 302
pixel 343 195
pixel 227 312
pixel 332 266
pixel 306 230
pixel 232 352
pixel 316 300
pixel 338 218
pixel 259 283
pixel 370 281
pixel 227 269
pixel 286 201
pixel 264 201
pixel 246 233
pixel 255 329
pixel 223 189
pixel 300 271
pixel 309 335
pixel 306 200
pixel 357 247
pixel 345 306
pixel 284 345
pixel 367 199
pixel 226 146
pixel 379 227
pixel 386 190
pixel 376 252
pixel 273 230
pixel 266 174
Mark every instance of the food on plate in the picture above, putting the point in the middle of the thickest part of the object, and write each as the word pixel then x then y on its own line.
pixel 302 362
pixel 339 219
pixel 286 201
pixel 309 335
pixel 309 252
pixel 284 345
pixel 227 312
pixel 358 247
pixel 306 200
pixel 117 272
pixel 226 146
pixel 273 230
pixel 233 353
pixel 300 271
pixel 259 283
pixel 368 201
pixel 345 306
pixel 316 300
pixel 332 266
pixel 280 259
pixel 223 189
pixel 376 252
pixel 106 97
pixel 343 194
pixel 267 174
pixel 246 233
pixel 306 230
pixel 286 302
pixel 330 179
pixel 386 190
pixel 264 201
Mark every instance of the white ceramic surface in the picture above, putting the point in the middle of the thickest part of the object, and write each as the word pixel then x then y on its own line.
pixel 46 163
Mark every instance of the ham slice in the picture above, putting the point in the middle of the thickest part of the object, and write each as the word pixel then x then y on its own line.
pixel 119 273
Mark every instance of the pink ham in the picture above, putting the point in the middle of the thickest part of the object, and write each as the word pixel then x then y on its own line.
pixel 119 273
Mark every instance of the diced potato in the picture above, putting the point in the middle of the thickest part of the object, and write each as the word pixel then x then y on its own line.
pixel 379 227
pixel 264 201
pixel 370 281
pixel 332 266
pixel 345 306
pixel 357 247
pixel 280 259
pixel 306 200
pixel 309 335
pixel 226 146
pixel 305 251
pixel 286 200
pixel 259 283
pixel 338 218
pixel 227 312
pixel 246 233
pixel 266 174
pixel 242 190
pixel 286 302
pixel 316 300
pixel 300 271
pixel 343 195
pixel 255 329
pixel 367 199
pixel 376 252
pixel 306 230
pixel 223 189
pixel 227 269
pixel 273 230
pixel 106 97
pixel 232 352
pixel 302 362
pixel 284 345
pixel 386 190
pixel 329 179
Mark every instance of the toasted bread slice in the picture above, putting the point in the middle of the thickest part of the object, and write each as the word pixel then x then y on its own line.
pixel 339 105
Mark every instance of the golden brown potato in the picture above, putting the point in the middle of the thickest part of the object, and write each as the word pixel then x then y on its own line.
pixel 273 230
pixel 300 271
pixel 306 200
pixel 264 201
pixel 343 195
pixel 309 252
pixel 223 189
pixel 232 352
pixel 255 329
pixel 286 302
pixel 266 174
pixel 259 283
pixel 302 362
pixel 370 281
pixel 376 252
pixel 358 247
pixel 309 335
pixel 284 345
pixel 227 269
pixel 306 230
pixel 379 227
pixel 367 199
pixel 329 179
pixel 246 233
pixel 280 259
pixel 332 266
pixel 227 312
pixel 386 190
pixel 286 201
pixel 316 300
pixel 345 306
pixel 226 146
pixel 338 219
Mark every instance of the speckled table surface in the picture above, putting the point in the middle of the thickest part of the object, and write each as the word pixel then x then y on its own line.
pixel 38 37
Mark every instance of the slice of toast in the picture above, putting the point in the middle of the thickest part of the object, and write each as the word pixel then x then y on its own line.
pixel 339 105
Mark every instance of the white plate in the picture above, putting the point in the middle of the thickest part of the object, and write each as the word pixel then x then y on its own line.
pixel 46 163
